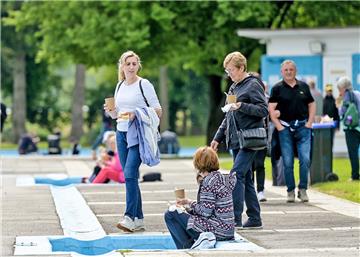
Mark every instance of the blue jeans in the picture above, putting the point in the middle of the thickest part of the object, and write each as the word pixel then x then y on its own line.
pixel 177 223
pixel 244 188
pixel 130 162
pixel 301 138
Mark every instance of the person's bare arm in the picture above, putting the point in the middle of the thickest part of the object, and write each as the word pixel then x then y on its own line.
pixel 312 110
pixel 275 116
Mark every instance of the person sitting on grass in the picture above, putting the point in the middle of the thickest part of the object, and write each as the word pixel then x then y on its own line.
pixel 212 212
pixel 28 143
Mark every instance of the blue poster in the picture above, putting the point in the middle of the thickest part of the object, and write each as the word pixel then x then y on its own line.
pixel 356 71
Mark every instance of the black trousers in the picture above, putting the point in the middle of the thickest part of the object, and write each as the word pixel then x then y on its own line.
pixel 259 167
pixel 352 142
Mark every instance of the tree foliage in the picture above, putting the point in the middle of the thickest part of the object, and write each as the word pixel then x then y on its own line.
pixel 190 37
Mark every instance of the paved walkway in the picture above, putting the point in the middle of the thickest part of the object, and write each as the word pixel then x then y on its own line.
pixel 327 226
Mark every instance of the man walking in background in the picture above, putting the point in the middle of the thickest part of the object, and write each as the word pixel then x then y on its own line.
pixel 297 111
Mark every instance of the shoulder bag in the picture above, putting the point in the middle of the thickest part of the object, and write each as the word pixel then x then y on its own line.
pixel 254 139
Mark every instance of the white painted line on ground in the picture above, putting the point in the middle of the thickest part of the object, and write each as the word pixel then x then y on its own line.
pixel 306 212
pixel 312 250
pixel 123 203
pixel 161 214
pixel 142 191
pixel 76 218
pixel 323 201
pixel 77 168
pixel 302 229
pixel 345 228
pixel 25 181
pixel 297 230
pixel 120 215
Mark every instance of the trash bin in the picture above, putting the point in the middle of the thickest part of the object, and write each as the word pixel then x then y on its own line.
pixel 322 155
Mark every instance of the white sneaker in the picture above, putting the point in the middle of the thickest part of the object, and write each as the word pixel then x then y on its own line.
pixel 291 197
pixel 139 224
pixel 206 240
pixel 302 195
pixel 127 224
pixel 261 196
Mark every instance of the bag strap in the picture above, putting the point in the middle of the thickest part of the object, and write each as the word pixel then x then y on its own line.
pixel 118 87
pixel 142 92
pixel 141 89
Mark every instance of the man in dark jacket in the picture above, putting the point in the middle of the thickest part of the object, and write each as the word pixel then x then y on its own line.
pixel 247 112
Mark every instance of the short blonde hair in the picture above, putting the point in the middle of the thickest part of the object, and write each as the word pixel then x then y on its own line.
pixel 236 58
pixel 122 60
pixel 206 159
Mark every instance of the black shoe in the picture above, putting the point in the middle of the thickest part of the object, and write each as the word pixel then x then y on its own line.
pixel 238 224
pixel 249 224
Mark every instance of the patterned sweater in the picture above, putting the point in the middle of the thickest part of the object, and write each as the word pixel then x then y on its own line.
pixel 213 211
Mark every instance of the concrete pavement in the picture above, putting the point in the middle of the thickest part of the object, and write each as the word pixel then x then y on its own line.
pixel 326 226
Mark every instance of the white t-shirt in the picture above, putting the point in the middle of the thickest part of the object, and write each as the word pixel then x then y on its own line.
pixel 129 97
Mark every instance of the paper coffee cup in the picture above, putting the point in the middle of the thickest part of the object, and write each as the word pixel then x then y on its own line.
pixel 180 193
pixel 110 103
pixel 231 99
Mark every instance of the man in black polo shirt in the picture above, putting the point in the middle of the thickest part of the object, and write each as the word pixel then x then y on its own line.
pixel 297 111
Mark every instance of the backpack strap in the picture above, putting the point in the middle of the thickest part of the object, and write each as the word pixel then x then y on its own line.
pixel 142 92
pixel 118 87
pixel 141 89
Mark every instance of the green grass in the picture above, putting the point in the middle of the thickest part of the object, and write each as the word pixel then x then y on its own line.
pixel 42 144
pixel 192 141
pixel 344 188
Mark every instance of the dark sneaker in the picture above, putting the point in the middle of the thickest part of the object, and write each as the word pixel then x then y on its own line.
pixel 302 195
pixel 238 224
pixel 249 224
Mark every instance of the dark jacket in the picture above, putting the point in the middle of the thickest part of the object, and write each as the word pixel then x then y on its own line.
pixel 329 108
pixel 250 92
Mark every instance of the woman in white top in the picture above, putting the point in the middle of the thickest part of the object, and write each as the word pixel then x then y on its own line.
pixel 128 96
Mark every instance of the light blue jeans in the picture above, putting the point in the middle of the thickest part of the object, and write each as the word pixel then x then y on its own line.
pixel 130 162
pixel 301 138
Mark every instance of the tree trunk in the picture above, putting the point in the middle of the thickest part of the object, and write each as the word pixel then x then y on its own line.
pixel 215 103
pixel 164 99
pixel 78 103
pixel 19 96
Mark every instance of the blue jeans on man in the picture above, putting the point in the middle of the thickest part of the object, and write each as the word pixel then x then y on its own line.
pixel 130 162
pixel 177 224
pixel 299 137
pixel 244 189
